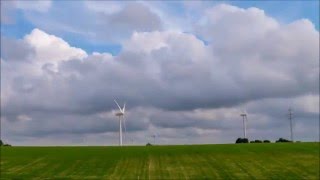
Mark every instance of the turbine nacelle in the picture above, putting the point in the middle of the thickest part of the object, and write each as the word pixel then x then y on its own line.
pixel 122 110
pixel 119 114
pixel 244 114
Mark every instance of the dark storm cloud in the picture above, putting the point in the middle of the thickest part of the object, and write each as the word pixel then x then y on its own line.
pixel 43 124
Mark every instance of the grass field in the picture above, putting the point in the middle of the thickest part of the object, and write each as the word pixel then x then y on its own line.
pixel 229 161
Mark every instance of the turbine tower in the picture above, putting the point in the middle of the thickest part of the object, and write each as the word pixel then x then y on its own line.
pixel 244 118
pixel 290 119
pixel 120 114
pixel 154 138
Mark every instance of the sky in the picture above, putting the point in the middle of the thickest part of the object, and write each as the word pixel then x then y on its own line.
pixel 186 70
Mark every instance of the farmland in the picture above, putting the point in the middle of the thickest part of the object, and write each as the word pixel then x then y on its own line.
pixel 225 161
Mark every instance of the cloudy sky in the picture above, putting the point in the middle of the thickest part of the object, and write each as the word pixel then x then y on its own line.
pixel 186 70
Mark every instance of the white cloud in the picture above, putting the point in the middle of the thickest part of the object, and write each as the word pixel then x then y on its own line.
pixel 234 28
pixel 308 103
pixel 146 42
pixel 50 48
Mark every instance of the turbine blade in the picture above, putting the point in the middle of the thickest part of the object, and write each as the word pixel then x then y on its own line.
pixel 118 105
pixel 245 111
pixel 124 108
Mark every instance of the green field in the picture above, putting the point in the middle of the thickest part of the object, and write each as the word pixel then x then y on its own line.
pixel 228 161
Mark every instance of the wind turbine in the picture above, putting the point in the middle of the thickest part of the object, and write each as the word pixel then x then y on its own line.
pixel 290 116
pixel 245 119
pixel 120 114
pixel 154 138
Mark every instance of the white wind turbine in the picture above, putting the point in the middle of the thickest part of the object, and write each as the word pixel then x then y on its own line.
pixel 245 120
pixel 120 114
pixel 154 138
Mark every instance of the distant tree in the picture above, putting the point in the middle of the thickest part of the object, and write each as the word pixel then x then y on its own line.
pixel 148 144
pixel 282 140
pixel 266 141
pixel 251 141
pixel 2 144
pixel 257 141
pixel 242 140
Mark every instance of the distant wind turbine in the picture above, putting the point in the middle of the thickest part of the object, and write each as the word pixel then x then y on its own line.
pixel 290 116
pixel 120 114
pixel 154 138
pixel 245 119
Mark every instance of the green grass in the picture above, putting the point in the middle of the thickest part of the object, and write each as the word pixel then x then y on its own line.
pixel 228 161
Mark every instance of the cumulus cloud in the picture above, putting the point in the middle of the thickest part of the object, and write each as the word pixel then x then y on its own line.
pixel 221 19
pixel 123 22
pixel 16 50
pixel 172 81
pixel 50 48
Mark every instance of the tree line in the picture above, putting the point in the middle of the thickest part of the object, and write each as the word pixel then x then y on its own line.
pixel 246 140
